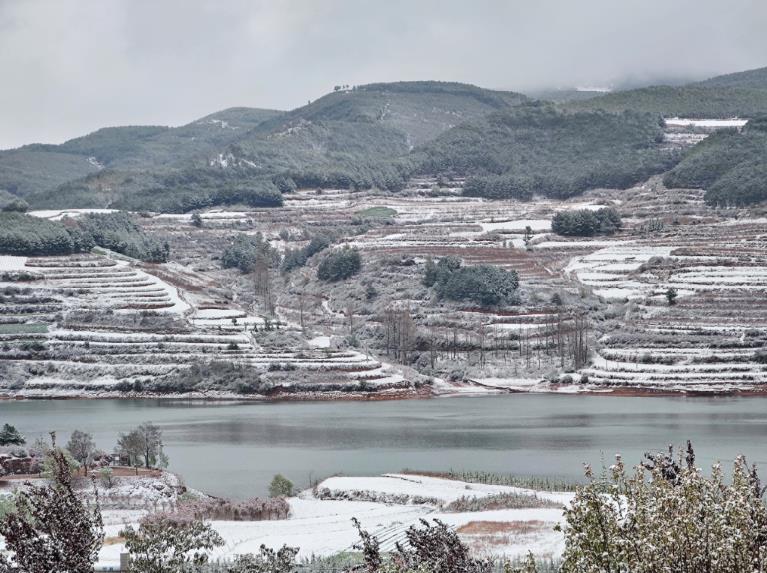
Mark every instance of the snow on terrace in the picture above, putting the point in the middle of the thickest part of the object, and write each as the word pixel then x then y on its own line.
pixel 413 486
pixel 58 214
pixel 323 527
pixel 710 123
pixel 12 263
pixel 606 270
pixel 110 282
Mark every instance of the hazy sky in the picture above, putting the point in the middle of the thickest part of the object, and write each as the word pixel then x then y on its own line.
pixel 68 67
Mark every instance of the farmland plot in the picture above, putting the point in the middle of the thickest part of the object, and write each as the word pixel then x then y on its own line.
pixel 92 325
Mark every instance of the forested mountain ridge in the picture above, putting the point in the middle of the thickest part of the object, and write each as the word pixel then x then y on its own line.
pixel 375 135
pixel 538 149
pixel 351 137
pixel 37 168
pixel 730 165
pixel 742 94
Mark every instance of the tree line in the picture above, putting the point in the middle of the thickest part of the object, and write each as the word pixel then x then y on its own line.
pixel 22 234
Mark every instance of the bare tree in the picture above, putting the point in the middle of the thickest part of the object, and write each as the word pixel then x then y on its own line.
pixel 143 444
pixel 81 446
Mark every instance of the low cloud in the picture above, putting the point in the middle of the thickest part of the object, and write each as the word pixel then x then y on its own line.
pixel 71 67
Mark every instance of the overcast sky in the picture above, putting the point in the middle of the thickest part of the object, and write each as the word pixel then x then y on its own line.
pixel 68 67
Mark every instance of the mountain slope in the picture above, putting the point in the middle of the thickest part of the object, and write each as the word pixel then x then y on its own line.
pixel 743 94
pixel 536 148
pixel 35 169
pixel 730 165
pixel 748 79
pixel 350 138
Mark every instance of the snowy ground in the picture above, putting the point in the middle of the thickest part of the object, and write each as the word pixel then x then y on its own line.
pixel 324 526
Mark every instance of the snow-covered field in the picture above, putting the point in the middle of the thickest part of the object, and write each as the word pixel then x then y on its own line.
pixel 324 527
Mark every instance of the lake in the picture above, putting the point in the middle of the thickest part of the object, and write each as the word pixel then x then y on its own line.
pixel 234 449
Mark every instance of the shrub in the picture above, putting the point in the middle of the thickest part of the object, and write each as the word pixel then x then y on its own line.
pixel 485 285
pixel 586 223
pixel 339 265
pixel 667 516
pixel 245 252
pixel 295 258
pixel 165 543
pixel 435 548
pixel 280 486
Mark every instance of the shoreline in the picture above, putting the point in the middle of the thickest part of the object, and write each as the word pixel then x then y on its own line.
pixel 419 394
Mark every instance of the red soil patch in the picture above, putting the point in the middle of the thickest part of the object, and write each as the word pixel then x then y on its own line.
pixel 491 527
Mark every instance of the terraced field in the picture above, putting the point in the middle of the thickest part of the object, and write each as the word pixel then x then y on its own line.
pixel 101 325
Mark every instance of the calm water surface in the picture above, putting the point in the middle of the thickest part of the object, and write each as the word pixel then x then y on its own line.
pixel 235 449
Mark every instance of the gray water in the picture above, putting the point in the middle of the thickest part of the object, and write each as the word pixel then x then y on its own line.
pixel 234 449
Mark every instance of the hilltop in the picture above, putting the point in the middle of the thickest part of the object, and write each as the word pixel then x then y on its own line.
pixel 347 138
pixel 37 168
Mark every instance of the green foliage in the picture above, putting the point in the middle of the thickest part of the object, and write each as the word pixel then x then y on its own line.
pixel 10 436
pixel 535 148
pixel 81 446
pixel 34 168
pixel 586 222
pixel 731 166
pixel 246 251
pixel 24 328
pixel 485 285
pixel 500 187
pixel 22 234
pixel 430 273
pixel 671 295
pixel 16 206
pixel 119 232
pixel 295 258
pixel 280 487
pixel 339 264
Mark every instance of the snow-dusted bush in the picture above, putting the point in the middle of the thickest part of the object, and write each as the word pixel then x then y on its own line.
pixel 434 548
pixel 167 543
pixel 667 516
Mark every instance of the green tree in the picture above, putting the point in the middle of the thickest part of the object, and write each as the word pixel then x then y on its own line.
pixel 339 264
pixel 429 273
pixel 671 295
pixel 10 436
pixel 280 486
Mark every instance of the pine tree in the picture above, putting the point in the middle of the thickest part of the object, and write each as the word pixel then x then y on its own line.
pixel 10 436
